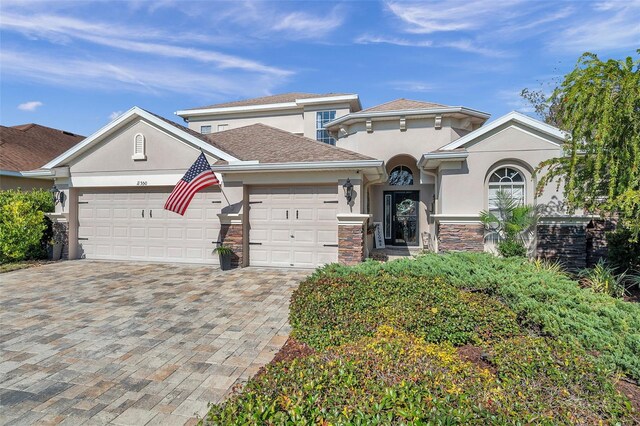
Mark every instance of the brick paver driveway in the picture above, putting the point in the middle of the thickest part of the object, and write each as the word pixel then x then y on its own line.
pixel 133 343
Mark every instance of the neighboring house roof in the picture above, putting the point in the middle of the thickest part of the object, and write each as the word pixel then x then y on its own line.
pixel 403 104
pixel 513 116
pixel 29 146
pixel 266 144
pixel 273 99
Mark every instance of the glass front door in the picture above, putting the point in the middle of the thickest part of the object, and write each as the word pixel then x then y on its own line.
pixel 401 218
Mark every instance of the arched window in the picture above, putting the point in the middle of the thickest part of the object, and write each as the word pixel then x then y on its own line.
pixel 139 147
pixel 401 175
pixel 508 180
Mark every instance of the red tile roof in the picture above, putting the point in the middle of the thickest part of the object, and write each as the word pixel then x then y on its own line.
pixel 31 146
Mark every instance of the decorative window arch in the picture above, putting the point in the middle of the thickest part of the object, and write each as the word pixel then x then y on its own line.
pixel 401 175
pixel 506 179
pixel 139 147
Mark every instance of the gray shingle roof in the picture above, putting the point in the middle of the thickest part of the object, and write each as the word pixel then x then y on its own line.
pixel 273 99
pixel 403 104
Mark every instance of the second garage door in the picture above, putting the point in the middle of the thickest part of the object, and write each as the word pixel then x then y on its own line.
pixel 131 224
pixel 293 226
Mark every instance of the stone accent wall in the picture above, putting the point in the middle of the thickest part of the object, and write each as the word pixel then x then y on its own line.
pixel 460 237
pixel 597 240
pixel 61 234
pixel 231 236
pixel 350 244
pixel 564 243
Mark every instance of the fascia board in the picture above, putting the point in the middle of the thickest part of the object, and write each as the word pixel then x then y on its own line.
pixel 406 113
pixel 227 110
pixel 133 112
pixel 328 99
pixel 441 157
pixel 512 116
pixel 302 166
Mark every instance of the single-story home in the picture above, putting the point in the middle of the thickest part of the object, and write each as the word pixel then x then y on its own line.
pixel 304 177
pixel 27 147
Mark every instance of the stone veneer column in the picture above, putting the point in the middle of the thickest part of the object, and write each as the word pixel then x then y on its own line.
pixel 597 247
pixel 351 234
pixel 460 237
pixel 563 242
pixel 232 236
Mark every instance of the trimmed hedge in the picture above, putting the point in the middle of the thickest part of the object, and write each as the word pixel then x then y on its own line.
pixel 396 378
pixel 24 229
pixel 544 300
pixel 332 310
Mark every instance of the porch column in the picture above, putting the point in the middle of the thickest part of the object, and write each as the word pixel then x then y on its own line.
pixel 231 235
pixel 351 235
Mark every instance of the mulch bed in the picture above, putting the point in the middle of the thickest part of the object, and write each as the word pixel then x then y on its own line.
pixel 291 350
pixel 475 355
pixel 632 391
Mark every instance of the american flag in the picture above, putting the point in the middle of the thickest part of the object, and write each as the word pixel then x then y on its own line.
pixel 199 176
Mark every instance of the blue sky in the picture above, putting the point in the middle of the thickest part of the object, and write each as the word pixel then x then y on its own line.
pixel 73 65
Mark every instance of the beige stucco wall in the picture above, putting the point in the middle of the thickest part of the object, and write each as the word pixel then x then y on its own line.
pixel 25 184
pixel 463 190
pixel 387 140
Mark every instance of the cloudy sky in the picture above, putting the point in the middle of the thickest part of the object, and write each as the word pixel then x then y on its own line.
pixel 77 64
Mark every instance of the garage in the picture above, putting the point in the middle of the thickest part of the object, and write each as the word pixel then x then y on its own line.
pixel 131 224
pixel 293 226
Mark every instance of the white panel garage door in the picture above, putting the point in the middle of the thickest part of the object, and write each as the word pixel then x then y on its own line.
pixel 293 226
pixel 129 224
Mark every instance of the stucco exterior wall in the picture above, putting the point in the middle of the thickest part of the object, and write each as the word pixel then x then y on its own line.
pixel 463 190
pixel 26 184
pixel 291 121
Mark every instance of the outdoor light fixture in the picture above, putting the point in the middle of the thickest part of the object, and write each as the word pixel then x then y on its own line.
pixel 348 190
pixel 58 196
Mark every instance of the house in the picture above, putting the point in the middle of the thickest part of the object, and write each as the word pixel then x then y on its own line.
pixel 422 170
pixel 25 148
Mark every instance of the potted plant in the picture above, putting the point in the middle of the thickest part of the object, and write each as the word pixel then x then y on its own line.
pixel 54 249
pixel 225 254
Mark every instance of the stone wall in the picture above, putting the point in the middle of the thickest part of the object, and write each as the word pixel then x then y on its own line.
pixel 460 237
pixel 231 236
pixel 350 244
pixel 597 240
pixel 564 243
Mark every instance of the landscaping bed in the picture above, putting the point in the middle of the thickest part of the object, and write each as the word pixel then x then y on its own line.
pixel 447 339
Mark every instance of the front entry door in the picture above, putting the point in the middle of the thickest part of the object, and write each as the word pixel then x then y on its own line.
pixel 401 218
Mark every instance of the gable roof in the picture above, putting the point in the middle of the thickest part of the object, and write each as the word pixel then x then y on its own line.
pixel 266 144
pixel 265 100
pixel 29 146
pixel 403 104
pixel 192 137
pixel 513 116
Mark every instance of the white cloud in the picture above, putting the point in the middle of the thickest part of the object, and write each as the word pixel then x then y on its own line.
pixel 305 25
pixel 372 39
pixel 30 106
pixel 413 86
pixel 114 115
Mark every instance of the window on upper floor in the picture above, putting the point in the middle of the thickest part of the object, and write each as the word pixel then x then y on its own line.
pixel 223 127
pixel 322 118
pixel 205 130
pixel 401 175
pixel 508 180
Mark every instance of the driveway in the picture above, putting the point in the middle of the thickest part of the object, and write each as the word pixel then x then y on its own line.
pixel 134 343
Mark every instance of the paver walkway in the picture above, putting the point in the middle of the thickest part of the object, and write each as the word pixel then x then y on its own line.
pixel 134 343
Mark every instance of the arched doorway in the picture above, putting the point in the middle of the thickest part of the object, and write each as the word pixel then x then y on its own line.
pixel 401 204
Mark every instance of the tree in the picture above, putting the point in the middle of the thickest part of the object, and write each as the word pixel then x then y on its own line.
pixel 548 109
pixel 512 222
pixel 599 107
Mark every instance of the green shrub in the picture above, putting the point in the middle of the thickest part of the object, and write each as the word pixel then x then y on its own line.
pixel 23 225
pixel 328 311
pixel 512 248
pixel 396 378
pixel 603 279
pixel 623 253
pixel 544 300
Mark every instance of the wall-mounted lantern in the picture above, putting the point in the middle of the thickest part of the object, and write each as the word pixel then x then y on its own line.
pixel 57 195
pixel 348 190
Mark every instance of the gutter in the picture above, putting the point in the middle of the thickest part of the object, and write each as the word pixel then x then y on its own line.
pixel 443 156
pixel 36 174
pixel 300 166
pixel 407 113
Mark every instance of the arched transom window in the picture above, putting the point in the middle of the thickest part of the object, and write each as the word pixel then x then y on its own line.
pixel 508 180
pixel 401 175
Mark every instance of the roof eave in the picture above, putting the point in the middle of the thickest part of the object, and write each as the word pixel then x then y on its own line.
pixel 358 116
pixel 433 160
pixel 245 167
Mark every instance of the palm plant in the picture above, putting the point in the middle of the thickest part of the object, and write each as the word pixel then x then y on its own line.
pixel 512 223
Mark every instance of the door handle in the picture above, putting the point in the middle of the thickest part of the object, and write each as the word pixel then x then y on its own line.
pixel 142 212
pixel 296 214
pixel 287 214
pixel 150 213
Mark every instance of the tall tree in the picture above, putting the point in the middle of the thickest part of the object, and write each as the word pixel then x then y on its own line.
pixel 599 106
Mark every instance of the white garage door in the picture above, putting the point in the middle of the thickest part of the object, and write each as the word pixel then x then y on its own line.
pixel 293 226
pixel 129 224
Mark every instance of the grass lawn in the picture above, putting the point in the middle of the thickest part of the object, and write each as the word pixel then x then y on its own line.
pixel 447 339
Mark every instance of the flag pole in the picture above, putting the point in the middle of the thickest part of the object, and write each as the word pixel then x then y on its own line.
pixel 219 185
